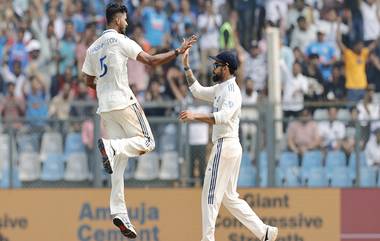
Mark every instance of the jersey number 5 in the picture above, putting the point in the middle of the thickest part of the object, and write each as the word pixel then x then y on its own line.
pixel 103 66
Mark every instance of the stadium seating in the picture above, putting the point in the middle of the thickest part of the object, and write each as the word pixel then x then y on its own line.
pixel 263 162
pixel 4 182
pixel 168 138
pixel 246 160
pixel 321 114
pixel 27 142
pixel 76 167
pixel 247 177
pixel 73 143
pixel 310 159
pixel 169 166
pixel 367 177
pixel 292 177
pixel 341 177
pixel 53 167
pixel 334 159
pixel 147 167
pixel 344 115
pixel 52 142
pixel 288 159
pixel 316 178
pixel 352 163
pixel 29 166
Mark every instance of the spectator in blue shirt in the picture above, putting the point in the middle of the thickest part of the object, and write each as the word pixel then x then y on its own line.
pixel 18 51
pixel 36 104
pixel 155 23
pixel 67 49
pixel 325 51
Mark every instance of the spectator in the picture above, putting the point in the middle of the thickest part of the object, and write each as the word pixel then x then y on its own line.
pixel 373 71
pixel 335 89
pixel 227 33
pixel 368 112
pixel 155 23
pixel 330 24
pixel 17 77
pixel 38 63
pixel 372 150
pixel 194 55
pixel 354 60
pixel 67 48
pixel 81 103
pixel 303 34
pixel 56 21
pixel 59 107
pixel 311 68
pixel 36 104
pixel 154 95
pixel 303 134
pixel 248 130
pixel 12 108
pixel 324 50
pixel 295 86
pixel 182 18
pixel 254 65
pixel 371 25
pixel 297 11
pixel 138 74
pixel 332 131
pixel 208 25
pixel 18 52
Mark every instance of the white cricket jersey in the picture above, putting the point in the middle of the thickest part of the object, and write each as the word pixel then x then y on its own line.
pixel 226 99
pixel 107 59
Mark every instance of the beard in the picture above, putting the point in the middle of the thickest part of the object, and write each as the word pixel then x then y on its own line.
pixel 216 78
pixel 123 30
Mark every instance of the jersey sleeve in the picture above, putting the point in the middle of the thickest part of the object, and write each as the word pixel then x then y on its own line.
pixel 230 104
pixel 87 67
pixel 129 48
pixel 203 93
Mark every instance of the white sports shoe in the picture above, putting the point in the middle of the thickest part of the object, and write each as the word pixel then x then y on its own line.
pixel 126 228
pixel 271 234
pixel 108 154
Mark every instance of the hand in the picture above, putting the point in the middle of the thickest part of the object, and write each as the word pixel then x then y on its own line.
pixel 185 59
pixel 187 43
pixel 186 116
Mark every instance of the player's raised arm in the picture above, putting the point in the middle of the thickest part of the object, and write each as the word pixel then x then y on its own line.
pixel 163 58
pixel 199 91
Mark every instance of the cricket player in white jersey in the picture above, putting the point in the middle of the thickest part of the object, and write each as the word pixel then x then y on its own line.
pixel 222 172
pixel 105 69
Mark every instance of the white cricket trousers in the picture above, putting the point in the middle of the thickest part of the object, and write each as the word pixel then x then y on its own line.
pixel 220 186
pixel 130 136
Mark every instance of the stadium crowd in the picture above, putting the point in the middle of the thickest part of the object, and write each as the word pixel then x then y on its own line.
pixel 329 56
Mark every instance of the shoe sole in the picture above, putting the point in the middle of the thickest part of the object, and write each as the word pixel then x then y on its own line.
pixel 106 161
pixel 123 229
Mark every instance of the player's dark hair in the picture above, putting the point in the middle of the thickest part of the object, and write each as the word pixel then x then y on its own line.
pixel 113 9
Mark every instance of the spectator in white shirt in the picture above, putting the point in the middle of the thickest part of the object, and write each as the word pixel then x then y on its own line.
pixel 255 66
pixel 371 25
pixel 208 24
pixel 332 131
pixel 372 149
pixel 295 86
pixel 368 113
pixel 250 113
pixel 303 35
